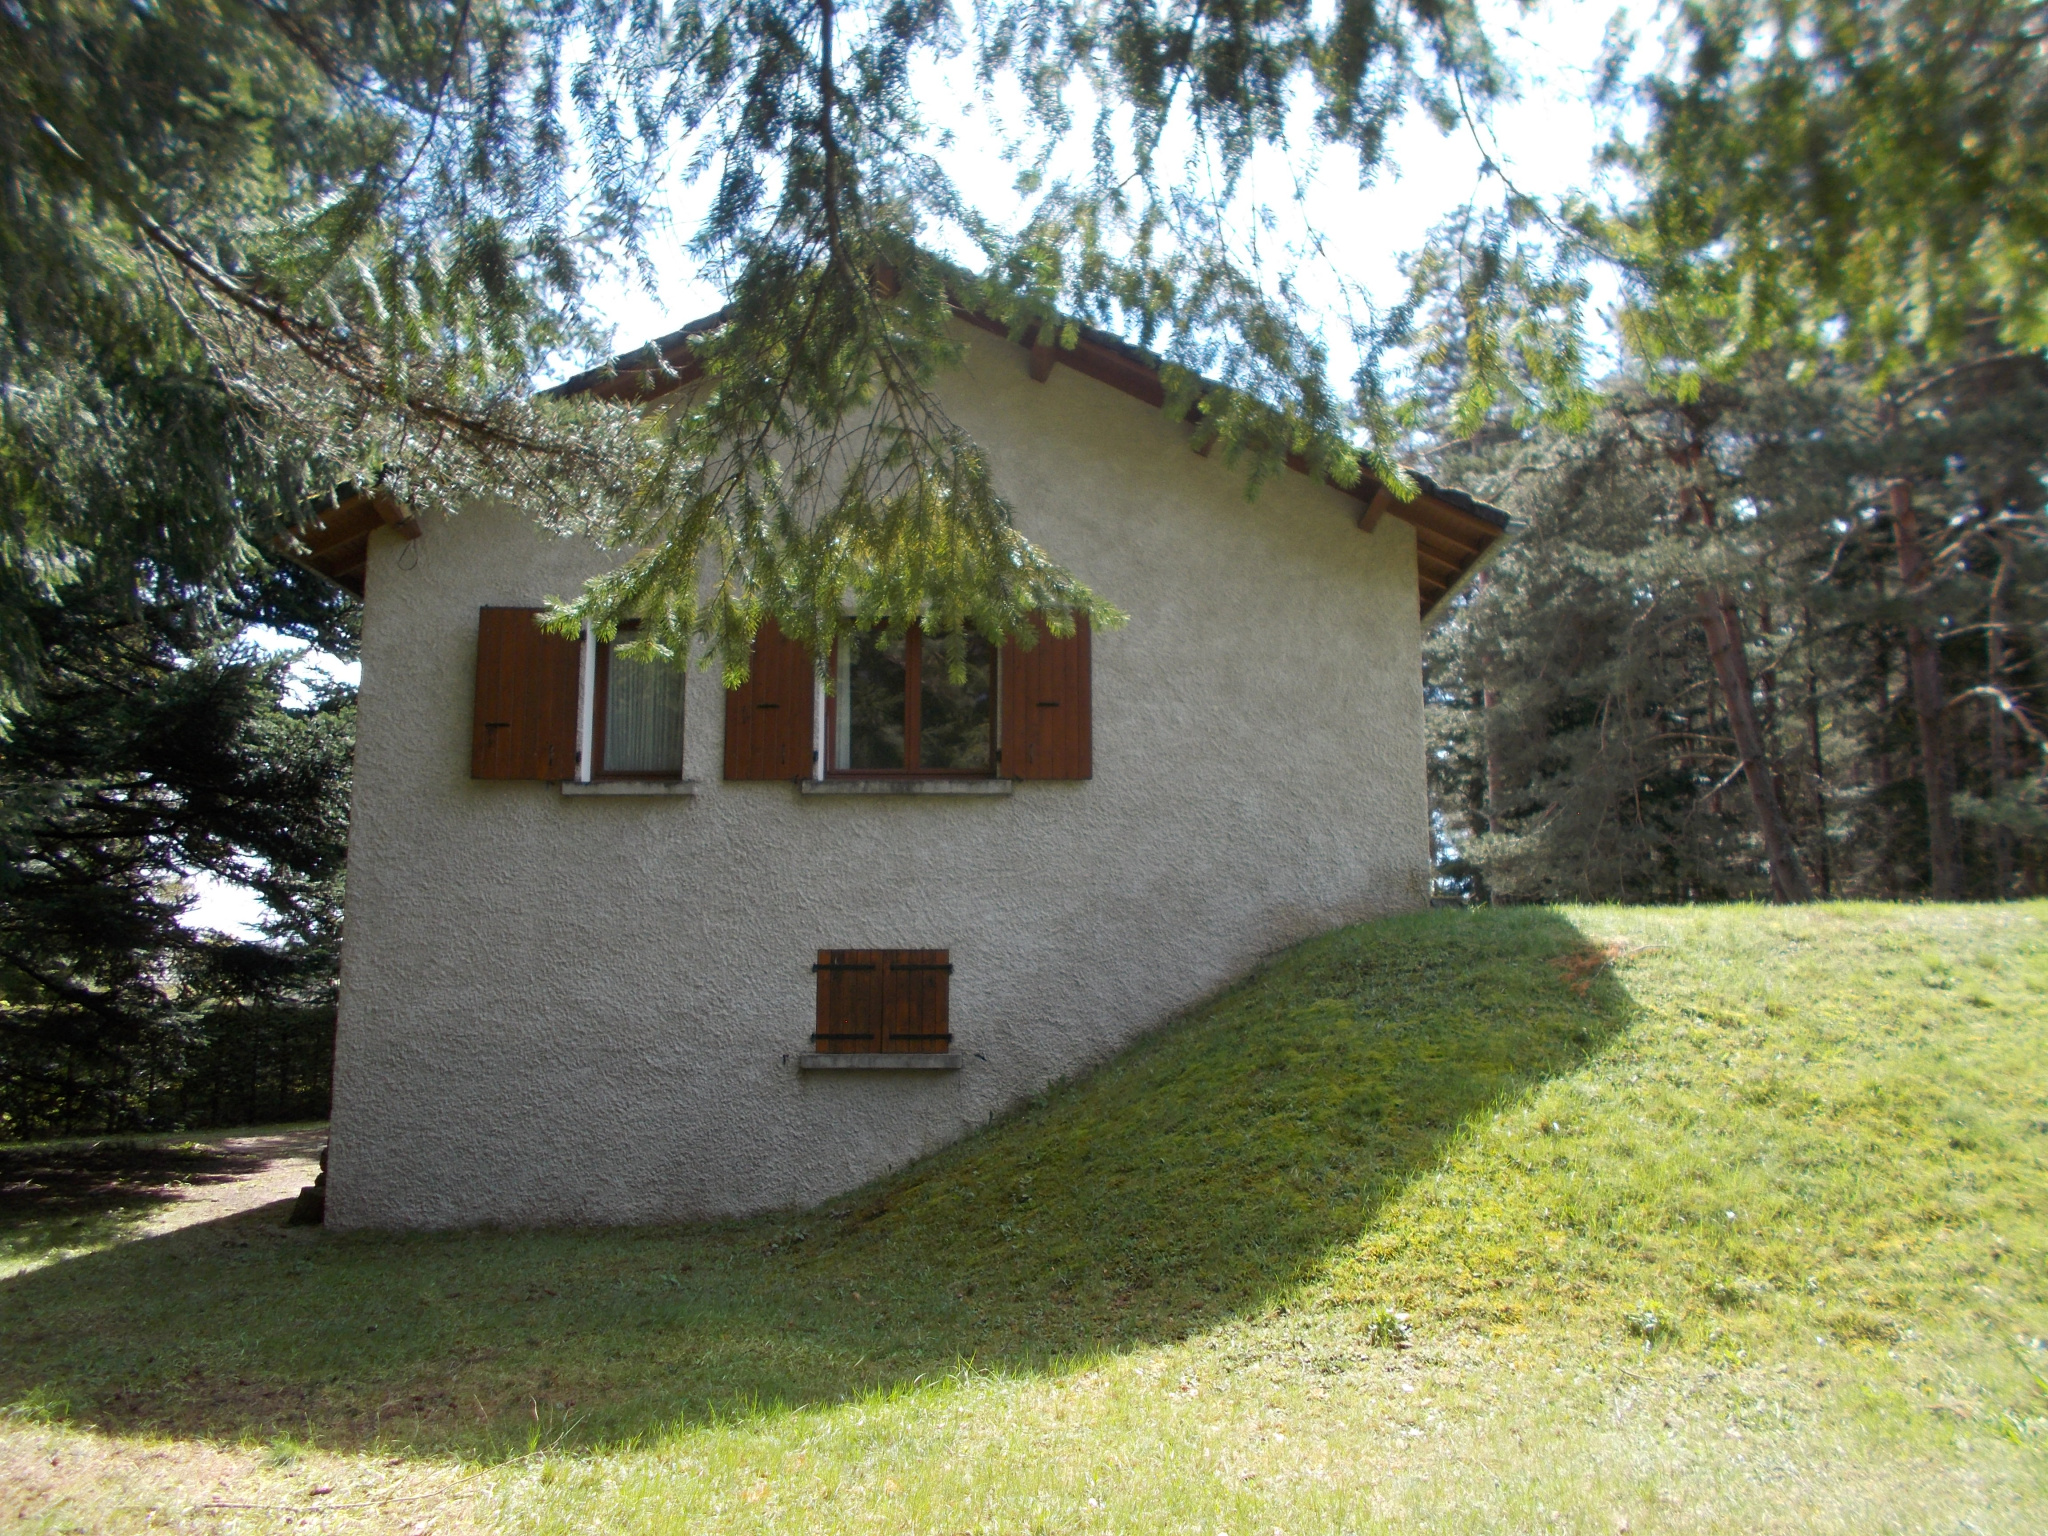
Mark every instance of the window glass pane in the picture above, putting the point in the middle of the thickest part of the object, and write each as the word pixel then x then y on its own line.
pixel 869 707
pixel 953 723
pixel 643 717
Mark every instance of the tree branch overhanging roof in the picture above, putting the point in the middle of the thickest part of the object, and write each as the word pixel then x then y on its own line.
pixel 1455 533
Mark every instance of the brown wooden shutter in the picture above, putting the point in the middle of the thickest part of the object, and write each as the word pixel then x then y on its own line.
pixel 1048 707
pixel 850 983
pixel 873 1000
pixel 916 992
pixel 525 724
pixel 768 717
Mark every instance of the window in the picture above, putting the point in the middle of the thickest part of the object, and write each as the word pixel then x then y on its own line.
pixel 896 708
pixel 883 1000
pixel 558 710
pixel 1024 712
pixel 638 724
pixel 542 701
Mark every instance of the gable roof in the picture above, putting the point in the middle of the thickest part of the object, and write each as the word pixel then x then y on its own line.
pixel 1455 533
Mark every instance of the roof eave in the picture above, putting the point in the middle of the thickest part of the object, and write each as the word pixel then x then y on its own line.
pixel 335 543
pixel 1439 608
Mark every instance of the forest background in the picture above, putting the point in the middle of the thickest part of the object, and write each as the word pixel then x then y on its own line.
pixel 1757 365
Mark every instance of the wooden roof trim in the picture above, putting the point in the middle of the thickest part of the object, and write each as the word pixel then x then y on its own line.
pixel 335 545
pixel 1432 566
pixel 1438 544
pixel 1454 532
pixel 662 367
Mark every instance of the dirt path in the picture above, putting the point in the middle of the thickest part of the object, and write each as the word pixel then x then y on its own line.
pixel 149 1185
pixel 256 1170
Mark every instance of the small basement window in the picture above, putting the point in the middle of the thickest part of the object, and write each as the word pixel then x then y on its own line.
pixel 883 1000
pixel 895 708
pixel 638 724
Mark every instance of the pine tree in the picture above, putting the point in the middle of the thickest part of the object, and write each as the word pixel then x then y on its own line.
pixel 1597 653
pixel 160 747
pixel 1580 681
pixel 1863 179
pixel 1860 183
pixel 298 245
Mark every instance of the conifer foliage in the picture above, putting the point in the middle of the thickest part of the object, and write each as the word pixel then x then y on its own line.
pixel 351 233
pixel 1800 551
pixel 251 253
pixel 160 747
pixel 1867 178
pixel 1585 745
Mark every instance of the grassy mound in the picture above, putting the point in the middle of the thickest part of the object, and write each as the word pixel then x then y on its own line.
pixel 1441 1192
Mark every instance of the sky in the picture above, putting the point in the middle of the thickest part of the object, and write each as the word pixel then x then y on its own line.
pixel 227 908
pixel 1543 141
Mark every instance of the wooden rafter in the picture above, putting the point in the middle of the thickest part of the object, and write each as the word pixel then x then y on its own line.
pixel 336 543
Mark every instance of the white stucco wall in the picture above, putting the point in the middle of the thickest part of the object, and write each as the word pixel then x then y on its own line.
pixel 559 1010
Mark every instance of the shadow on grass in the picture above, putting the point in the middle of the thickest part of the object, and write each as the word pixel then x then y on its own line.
pixel 1196 1178
pixel 74 1194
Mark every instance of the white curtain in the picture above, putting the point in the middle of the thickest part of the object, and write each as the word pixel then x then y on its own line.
pixel 643 718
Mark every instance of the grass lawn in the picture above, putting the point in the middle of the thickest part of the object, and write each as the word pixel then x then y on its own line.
pixel 1590 1220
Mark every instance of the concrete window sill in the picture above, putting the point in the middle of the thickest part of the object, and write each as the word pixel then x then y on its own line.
pixel 600 787
pixel 880 1061
pixel 975 787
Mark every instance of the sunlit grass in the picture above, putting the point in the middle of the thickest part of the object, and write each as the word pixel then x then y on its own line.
pixel 1701 1219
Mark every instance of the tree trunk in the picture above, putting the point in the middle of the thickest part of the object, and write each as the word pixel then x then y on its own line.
pixel 1881 759
pixel 1489 703
pixel 1820 768
pixel 2001 837
pixel 1768 686
pixel 1723 625
pixel 1923 668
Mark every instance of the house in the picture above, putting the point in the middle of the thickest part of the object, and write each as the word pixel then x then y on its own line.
pixel 622 947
